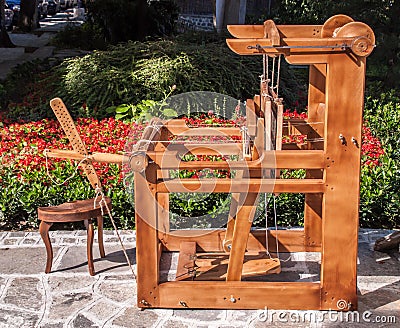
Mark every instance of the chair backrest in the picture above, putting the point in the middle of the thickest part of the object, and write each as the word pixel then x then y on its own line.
pixel 68 125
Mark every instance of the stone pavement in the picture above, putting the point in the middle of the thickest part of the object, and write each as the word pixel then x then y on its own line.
pixel 69 297
pixel 32 46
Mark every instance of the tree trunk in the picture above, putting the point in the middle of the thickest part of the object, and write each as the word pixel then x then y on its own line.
pixel 229 12
pixel 28 18
pixel 5 41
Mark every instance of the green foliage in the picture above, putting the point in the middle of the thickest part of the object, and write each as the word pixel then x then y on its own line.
pixel 20 198
pixel 145 110
pixel 380 185
pixel 381 16
pixel 131 72
pixel 123 20
pixel 86 36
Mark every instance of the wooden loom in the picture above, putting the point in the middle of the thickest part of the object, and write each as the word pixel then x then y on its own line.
pixel 336 54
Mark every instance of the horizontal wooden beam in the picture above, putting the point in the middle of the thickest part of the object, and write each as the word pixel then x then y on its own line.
pixel 285 31
pixel 239 295
pixel 178 127
pixel 228 148
pixel 211 240
pixel 289 46
pixel 286 159
pixel 254 185
pixel 95 157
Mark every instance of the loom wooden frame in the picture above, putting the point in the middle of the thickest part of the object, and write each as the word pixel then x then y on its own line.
pixel 336 92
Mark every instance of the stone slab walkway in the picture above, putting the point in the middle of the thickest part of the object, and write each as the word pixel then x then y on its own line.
pixel 69 297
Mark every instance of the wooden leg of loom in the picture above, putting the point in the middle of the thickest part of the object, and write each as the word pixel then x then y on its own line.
pixel 227 242
pixel 241 233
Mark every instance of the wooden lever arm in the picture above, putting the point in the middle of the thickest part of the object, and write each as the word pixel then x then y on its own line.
pixel 96 157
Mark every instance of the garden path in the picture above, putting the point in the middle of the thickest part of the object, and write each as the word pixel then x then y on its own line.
pixel 69 297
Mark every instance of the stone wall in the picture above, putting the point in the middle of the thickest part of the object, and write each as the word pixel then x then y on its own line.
pixel 197 22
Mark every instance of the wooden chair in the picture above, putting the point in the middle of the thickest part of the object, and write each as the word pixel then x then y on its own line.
pixel 80 210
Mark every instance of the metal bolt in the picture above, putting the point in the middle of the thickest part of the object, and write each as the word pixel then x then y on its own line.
pixel 232 299
pixel 145 303
pixel 354 141
pixel 342 138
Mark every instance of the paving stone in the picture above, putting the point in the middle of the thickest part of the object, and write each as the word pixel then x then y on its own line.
pixel 29 241
pixel 82 322
pixel 65 232
pixel 17 234
pixel 241 315
pixel 203 315
pixel 2 285
pixel 52 325
pixel 24 293
pixel 103 310
pixel 119 292
pixel 175 324
pixel 134 317
pixel 63 284
pixel 23 260
pixel 120 277
pixel 111 239
pixel 75 259
pixel 63 305
pixel 68 240
pixel 17 319
pixel 12 241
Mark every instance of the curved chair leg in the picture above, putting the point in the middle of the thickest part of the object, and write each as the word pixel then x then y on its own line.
pixel 100 235
pixel 44 233
pixel 90 236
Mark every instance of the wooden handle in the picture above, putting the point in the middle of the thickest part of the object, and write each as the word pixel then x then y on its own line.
pixel 97 157
pixel 108 158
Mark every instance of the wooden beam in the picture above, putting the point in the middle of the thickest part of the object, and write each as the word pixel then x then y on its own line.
pixel 211 240
pixel 285 159
pixel 240 295
pixel 186 260
pixel 286 31
pixel 179 127
pixel 254 185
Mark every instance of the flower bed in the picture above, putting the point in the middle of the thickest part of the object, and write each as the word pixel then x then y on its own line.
pixel 25 185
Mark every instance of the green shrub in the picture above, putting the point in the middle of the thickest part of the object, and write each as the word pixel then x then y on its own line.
pixel 380 185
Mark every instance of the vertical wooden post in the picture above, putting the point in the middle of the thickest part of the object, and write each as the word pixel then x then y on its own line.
pixel 345 96
pixel 163 224
pixel 316 113
pixel 147 259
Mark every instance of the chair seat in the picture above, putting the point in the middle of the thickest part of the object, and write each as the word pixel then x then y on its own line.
pixel 72 211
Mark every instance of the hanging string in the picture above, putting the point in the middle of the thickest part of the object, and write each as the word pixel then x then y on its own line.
pixel 246 142
pixel 266 226
pixel 87 157
pixel 103 204
pixel 273 71
pixel 276 226
pixel 278 76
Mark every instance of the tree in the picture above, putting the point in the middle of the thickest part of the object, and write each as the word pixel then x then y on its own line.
pixel 28 16
pixel 4 37
pixel 229 12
